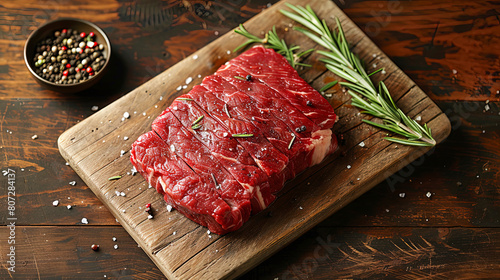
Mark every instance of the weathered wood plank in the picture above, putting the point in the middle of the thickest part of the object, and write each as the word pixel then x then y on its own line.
pixel 382 253
pixel 93 150
pixel 43 252
pixel 325 252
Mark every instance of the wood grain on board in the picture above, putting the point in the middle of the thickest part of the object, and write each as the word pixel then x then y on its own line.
pixel 182 249
pixel 360 253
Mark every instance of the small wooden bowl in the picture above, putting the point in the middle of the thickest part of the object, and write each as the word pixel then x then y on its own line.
pixel 47 30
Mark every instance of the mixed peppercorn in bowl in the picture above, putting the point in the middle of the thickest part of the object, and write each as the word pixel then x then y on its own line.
pixel 67 55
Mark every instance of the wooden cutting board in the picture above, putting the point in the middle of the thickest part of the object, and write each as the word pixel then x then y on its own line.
pixel 183 249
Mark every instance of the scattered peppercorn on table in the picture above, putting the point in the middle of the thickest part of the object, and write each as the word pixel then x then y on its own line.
pixel 437 215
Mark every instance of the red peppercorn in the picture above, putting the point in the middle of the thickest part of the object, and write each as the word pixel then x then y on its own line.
pixel 91 34
pixel 68 65
pixel 83 34
pixel 65 73
pixel 64 31
pixel 94 247
pixel 89 69
pixel 77 69
pixel 81 51
pixel 64 48
pixel 148 205
pixel 91 73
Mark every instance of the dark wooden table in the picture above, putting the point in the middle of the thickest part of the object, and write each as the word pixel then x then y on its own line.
pixel 450 49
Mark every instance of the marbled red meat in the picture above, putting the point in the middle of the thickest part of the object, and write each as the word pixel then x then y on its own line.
pixel 221 152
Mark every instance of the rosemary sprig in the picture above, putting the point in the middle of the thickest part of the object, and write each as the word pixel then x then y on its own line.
pixel 340 60
pixel 273 41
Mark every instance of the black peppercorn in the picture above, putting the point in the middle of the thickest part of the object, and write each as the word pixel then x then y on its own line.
pixel 301 129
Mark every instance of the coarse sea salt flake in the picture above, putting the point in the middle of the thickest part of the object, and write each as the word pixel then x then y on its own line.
pixel 179 88
pixel 362 144
pixel 55 202
pixel 85 221
pixel 348 167
pixel 169 208
pixel 195 56
pixel 189 80
pixel 126 115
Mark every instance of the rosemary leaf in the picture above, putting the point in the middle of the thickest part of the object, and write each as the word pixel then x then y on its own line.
pixel 198 120
pixel 243 135
pixel 291 141
pixel 226 110
pixel 114 178
pixel 328 86
pixel 184 98
pixel 375 72
pixel 240 78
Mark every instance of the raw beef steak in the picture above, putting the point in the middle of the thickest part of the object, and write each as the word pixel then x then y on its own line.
pixel 220 152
